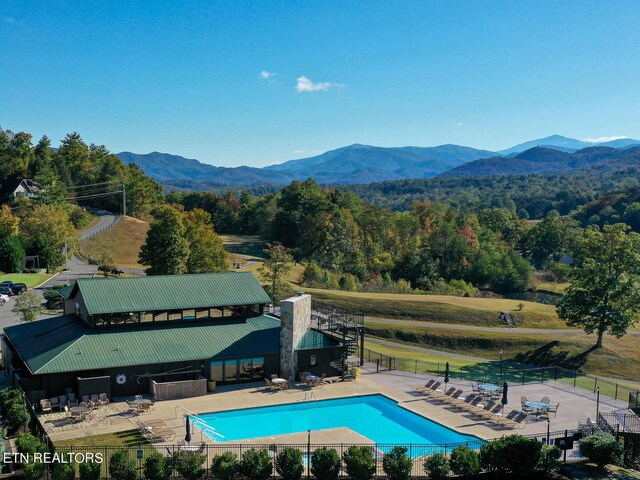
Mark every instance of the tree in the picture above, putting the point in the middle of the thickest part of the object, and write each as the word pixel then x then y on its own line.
pixel 206 251
pixel 8 222
pixel 28 306
pixel 11 253
pixel 603 296
pixel 166 250
pixel 275 268
pixel 48 229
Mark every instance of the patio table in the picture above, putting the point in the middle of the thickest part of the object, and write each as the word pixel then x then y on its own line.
pixel 79 409
pixel 142 401
pixel 489 389
pixel 540 407
pixel 280 382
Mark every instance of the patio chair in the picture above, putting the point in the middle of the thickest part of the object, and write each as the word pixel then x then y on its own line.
pixel 136 397
pixel 68 391
pixel 85 399
pixel 63 401
pixel 554 409
pixel 55 403
pixel 45 405
pixel 474 404
pixel 273 376
pixel 71 396
pixel 145 407
pixel 459 402
pixel 546 400
pixel 453 397
pixel 503 420
pixel 420 388
pixel 103 399
pixel 474 388
pixel 93 398
pixel 202 448
pixel 432 390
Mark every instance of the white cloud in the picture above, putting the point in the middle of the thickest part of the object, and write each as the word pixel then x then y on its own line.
pixel 603 139
pixel 460 124
pixel 298 152
pixel 266 74
pixel 304 84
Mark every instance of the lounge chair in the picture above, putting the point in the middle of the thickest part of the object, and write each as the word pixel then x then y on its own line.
pixel 497 410
pixel 460 402
pixel 475 404
pixel 432 390
pixel 103 399
pixel 442 395
pixel 45 405
pixel 452 397
pixel 503 420
pixel 519 421
pixel 486 410
pixel 421 388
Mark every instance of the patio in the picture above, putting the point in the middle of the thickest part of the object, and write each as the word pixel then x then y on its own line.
pixel 575 404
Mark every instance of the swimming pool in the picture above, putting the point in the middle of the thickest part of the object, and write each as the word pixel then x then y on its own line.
pixel 376 417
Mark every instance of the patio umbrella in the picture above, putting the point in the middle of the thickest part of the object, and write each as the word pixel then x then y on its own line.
pixel 187 437
pixel 446 373
pixel 504 400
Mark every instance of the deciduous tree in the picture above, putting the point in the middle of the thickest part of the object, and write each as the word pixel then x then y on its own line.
pixel 603 296
pixel 28 306
pixel 206 252
pixel 275 268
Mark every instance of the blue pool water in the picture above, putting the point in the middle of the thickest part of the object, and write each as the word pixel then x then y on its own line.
pixel 374 416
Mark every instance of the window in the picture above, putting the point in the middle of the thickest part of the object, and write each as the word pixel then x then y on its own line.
pixel 231 371
pixel 217 369
pixel 245 369
pixel 257 367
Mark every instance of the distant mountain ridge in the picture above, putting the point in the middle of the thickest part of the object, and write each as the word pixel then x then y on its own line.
pixel 362 164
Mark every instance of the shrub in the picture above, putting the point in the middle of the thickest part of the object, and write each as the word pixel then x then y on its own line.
pixel 27 443
pixel 225 466
pixel 7 397
pixel 437 466
pixel 325 464
pixel 359 462
pixel 602 449
pixel 550 460
pixel 90 470
pixel 34 471
pixel 121 466
pixel 464 461
pixel 396 464
pixel 256 464
pixel 11 254
pixel 514 453
pixel 155 467
pixel 289 464
pixel 190 467
pixel 63 471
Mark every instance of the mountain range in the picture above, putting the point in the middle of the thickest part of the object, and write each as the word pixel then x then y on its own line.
pixel 362 164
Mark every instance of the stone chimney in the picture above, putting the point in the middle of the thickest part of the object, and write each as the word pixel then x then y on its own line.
pixel 295 315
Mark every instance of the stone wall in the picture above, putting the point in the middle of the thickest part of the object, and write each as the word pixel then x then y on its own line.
pixel 295 315
pixel 181 389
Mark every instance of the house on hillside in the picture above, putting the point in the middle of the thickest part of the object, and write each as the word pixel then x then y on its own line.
pixel 14 188
pixel 167 335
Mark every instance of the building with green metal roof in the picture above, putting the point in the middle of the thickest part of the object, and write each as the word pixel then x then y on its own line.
pixel 128 336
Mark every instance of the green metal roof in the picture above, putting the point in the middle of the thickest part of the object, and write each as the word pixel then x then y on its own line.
pixel 313 339
pixel 65 291
pixel 170 292
pixel 66 344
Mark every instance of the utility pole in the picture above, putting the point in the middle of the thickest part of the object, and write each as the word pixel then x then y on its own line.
pixel 124 199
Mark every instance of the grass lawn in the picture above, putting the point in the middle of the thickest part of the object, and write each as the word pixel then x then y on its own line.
pixel 433 364
pixel 30 279
pixel 618 358
pixel 442 308
pixel 552 287
pixel 117 439
pixel 122 243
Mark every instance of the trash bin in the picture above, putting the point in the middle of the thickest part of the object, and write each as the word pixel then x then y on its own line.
pixel 211 386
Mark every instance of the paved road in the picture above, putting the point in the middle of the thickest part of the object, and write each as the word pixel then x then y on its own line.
pixel 477 328
pixel 76 269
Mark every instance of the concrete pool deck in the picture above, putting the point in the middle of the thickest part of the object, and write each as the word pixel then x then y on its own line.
pixel 575 404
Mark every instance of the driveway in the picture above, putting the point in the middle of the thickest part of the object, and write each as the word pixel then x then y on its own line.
pixel 76 269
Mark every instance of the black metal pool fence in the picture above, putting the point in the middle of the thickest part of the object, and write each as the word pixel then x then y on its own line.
pixel 417 452
pixel 498 372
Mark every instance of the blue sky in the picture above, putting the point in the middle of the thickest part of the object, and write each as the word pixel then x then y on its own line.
pixel 185 77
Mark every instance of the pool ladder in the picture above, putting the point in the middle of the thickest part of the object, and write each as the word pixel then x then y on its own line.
pixel 199 422
pixel 308 397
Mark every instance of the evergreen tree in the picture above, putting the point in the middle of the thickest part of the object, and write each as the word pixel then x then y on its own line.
pixel 166 249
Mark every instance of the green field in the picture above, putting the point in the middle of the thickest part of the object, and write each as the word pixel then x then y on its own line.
pixel 618 358
pixel 122 243
pixel 30 279
pixel 442 308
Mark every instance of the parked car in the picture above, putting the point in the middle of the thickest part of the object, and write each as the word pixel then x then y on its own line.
pixel 4 290
pixel 16 288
